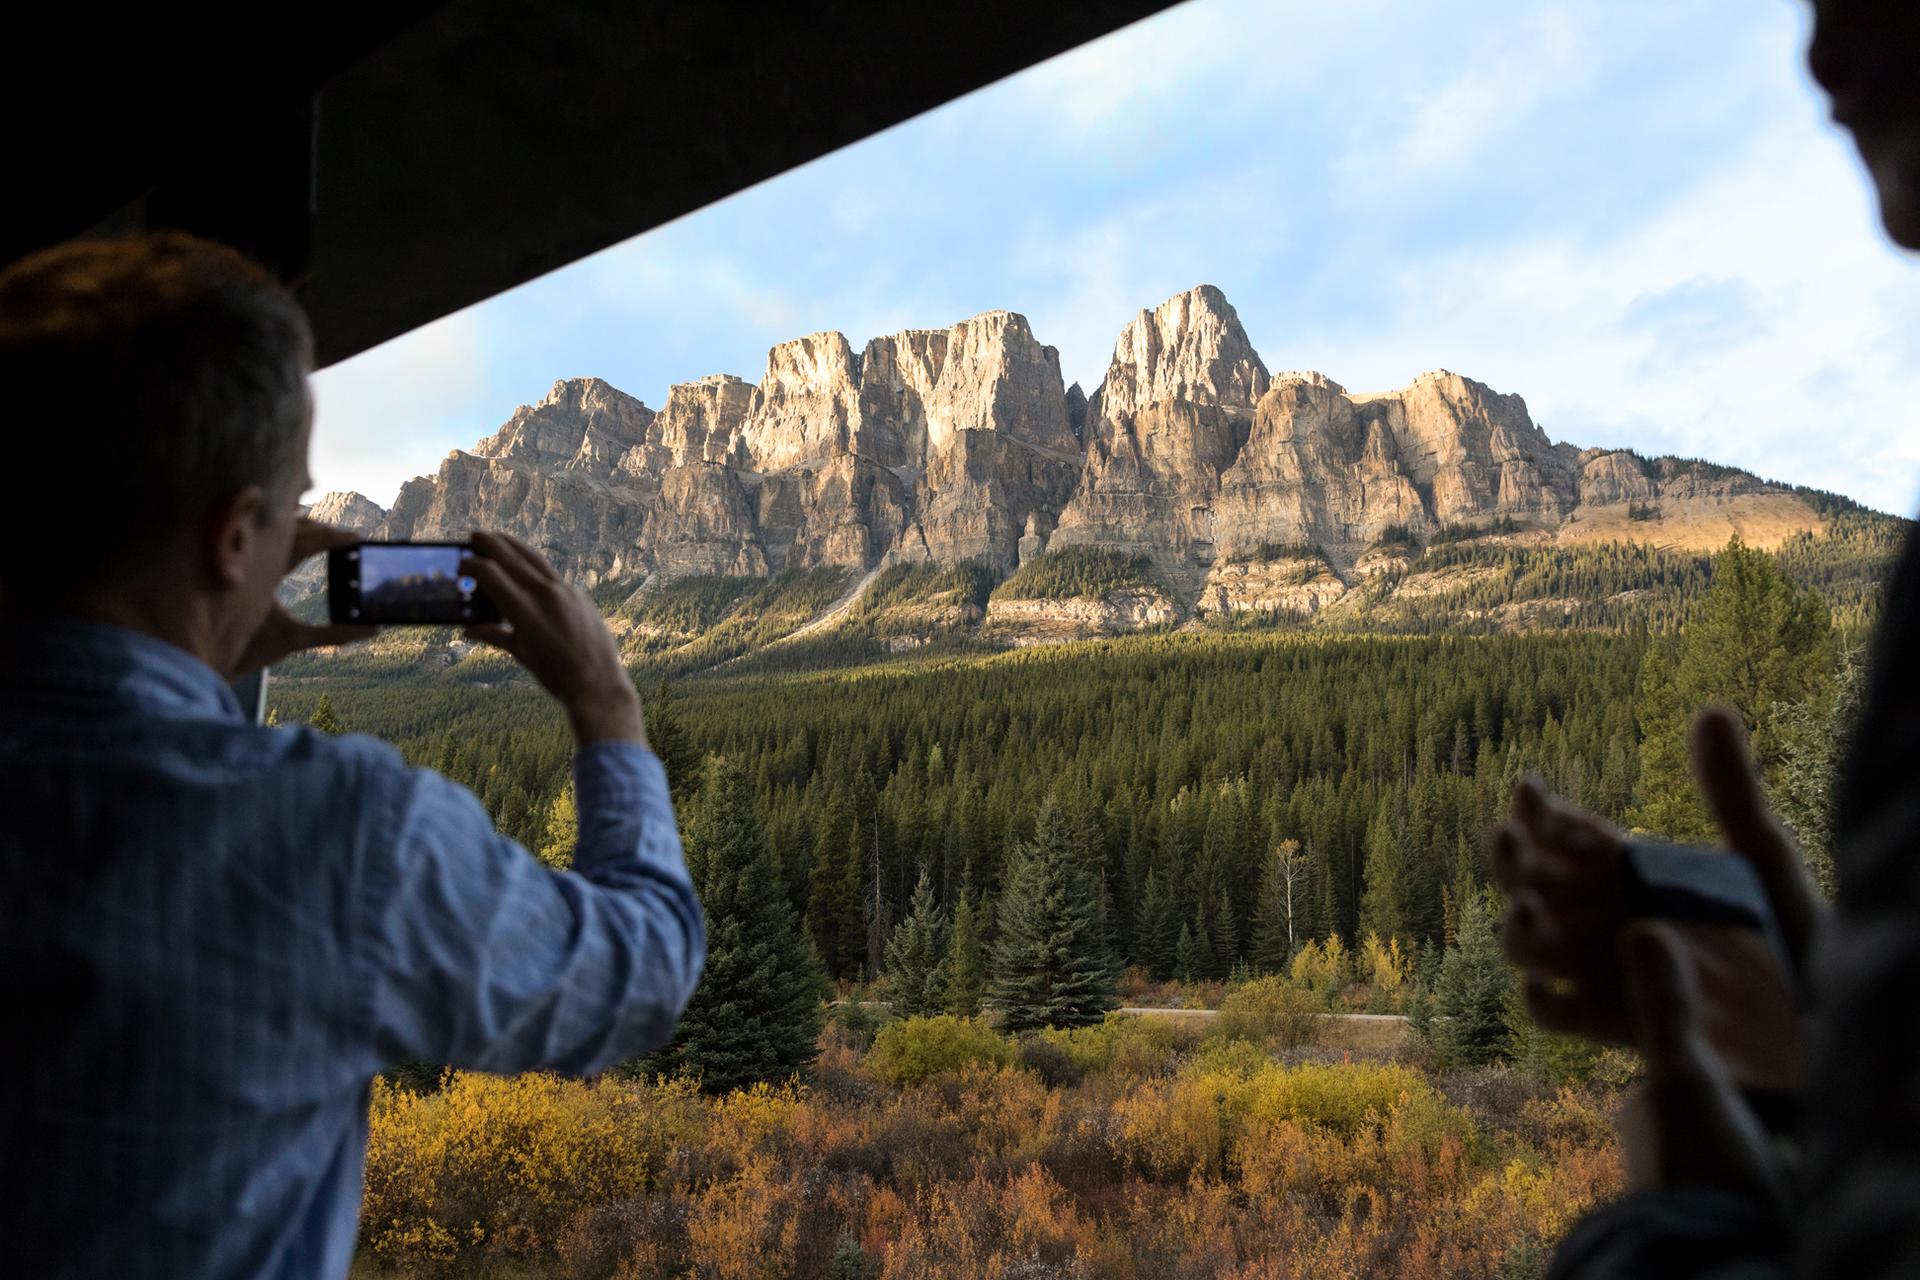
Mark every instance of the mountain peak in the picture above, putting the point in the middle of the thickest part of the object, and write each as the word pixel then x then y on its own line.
pixel 1190 347
pixel 347 509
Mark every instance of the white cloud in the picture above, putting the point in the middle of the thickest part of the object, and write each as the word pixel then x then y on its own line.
pixel 1445 127
pixel 1759 319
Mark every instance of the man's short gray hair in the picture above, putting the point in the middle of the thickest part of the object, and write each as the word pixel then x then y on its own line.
pixel 145 379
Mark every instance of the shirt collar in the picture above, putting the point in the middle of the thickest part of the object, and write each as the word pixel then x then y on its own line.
pixel 69 659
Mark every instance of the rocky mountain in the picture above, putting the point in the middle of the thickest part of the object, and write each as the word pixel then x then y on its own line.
pixel 1234 488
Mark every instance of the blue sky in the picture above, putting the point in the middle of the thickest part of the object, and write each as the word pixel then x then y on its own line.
pixel 1635 214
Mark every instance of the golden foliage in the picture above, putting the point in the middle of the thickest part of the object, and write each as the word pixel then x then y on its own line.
pixel 914 1050
pixel 1169 1155
pixel 1269 1011
pixel 1321 966
pixel 1382 964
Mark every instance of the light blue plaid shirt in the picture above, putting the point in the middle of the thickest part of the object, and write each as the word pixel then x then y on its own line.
pixel 213 934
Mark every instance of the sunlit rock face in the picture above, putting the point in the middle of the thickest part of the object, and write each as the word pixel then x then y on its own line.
pixel 964 443
pixel 1168 420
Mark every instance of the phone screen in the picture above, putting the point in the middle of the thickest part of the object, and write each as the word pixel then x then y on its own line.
pixel 404 582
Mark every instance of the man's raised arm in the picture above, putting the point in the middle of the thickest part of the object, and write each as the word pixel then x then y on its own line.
pixel 485 957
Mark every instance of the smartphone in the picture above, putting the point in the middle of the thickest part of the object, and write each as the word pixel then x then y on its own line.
pixel 1752 1003
pixel 404 583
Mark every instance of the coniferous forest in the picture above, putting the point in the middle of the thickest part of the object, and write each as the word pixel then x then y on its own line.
pixel 960 863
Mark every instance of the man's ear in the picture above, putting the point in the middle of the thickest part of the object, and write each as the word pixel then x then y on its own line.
pixel 233 527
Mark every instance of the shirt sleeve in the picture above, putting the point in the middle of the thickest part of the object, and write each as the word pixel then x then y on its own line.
pixel 485 958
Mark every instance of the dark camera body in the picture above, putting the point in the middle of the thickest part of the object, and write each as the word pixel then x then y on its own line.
pixel 404 583
pixel 1752 1002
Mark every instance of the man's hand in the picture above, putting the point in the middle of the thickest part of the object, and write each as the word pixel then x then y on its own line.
pixel 1560 868
pixel 558 635
pixel 281 633
pixel 1689 1126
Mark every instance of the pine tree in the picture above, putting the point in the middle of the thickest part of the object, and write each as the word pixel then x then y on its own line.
pixel 1754 641
pixel 1666 801
pixel 668 738
pixel 562 833
pixel 1050 967
pixel 1223 936
pixel 323 717
pixel 1802 789
pixel 833 897
pixel 1383 905
pixel 1156 941
pixel 757 1012
pixel 917 957
pixel 966 960
pixel 1194 952
pixel 1470 998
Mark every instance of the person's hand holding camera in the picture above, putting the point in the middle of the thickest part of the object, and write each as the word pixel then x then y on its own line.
pixel 1588 968
pixel 555 631
pixel 280 633
pixel 1561 869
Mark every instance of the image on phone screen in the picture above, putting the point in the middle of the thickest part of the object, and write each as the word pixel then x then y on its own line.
pixel 405 582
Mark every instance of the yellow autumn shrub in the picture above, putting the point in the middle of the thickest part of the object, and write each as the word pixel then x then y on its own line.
pixel 1383 964
pixel 1270 1011
pixel 495 1163
pixel 1124 1044
pixel 1197 1123
pixel 915 1050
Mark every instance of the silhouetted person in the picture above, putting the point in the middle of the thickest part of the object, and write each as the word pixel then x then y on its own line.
pixel 214 933
pixel 1718 1197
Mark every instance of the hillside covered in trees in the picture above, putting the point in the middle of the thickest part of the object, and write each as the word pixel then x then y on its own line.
pixel 1183 762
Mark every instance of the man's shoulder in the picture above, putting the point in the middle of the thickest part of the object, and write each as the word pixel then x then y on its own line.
pixel 354 759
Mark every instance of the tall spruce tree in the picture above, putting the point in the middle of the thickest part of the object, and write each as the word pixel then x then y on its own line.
pixel 1050 963
pixel 1475 984
pixel 966 959
pixel 916 964
pixel 1157 933
pixel 833 892
pixel 757 1012
pixel 1383 904
pixel 1193 954
pixel 1755 640
pixel 1802 788
pixel 668 738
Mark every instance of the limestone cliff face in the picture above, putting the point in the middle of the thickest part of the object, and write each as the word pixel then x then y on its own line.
pixel 1249 490
pixel 806 408
pixel 1000 450
pixel 997 377
pixel 701 423
pixel 898 375
pixel 1191 348
pixel 1169 419
pixel 583 424
pixel 349 510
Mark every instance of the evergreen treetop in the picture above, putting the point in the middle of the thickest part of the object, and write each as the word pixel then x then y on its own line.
pixel 757 1012
pixel 324 718
pixel 966 960
pixel 916 962
pixel 1050 963
pixel 1472 993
